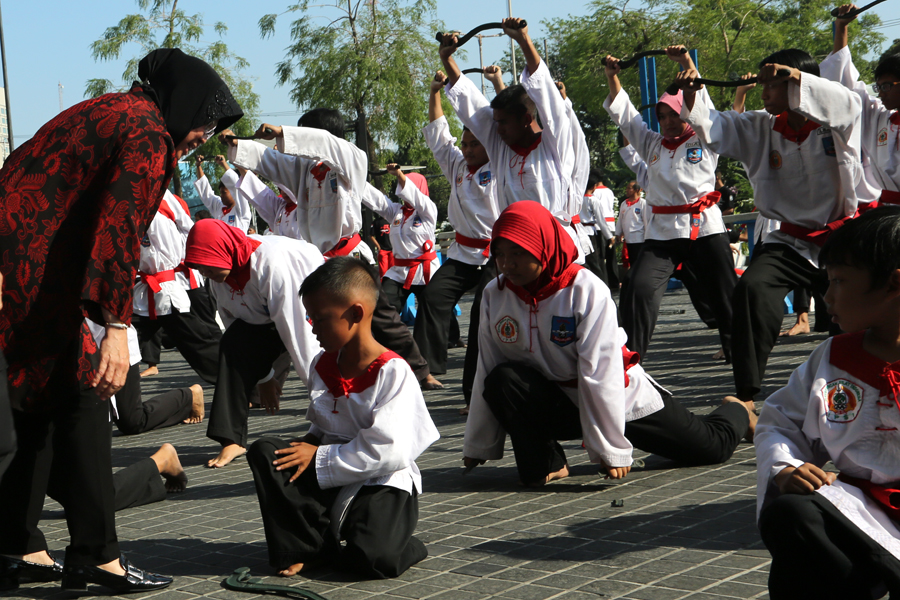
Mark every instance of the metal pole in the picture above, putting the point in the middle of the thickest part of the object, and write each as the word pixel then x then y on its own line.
pixel 512 48
pixel 481 62
pixel 9 128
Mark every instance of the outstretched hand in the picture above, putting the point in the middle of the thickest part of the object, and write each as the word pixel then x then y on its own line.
pixel 843 10
pixel 611 66
pixel 448 45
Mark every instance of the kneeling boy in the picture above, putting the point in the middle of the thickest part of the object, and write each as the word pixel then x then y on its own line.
pixel 356 478
pixel 837 536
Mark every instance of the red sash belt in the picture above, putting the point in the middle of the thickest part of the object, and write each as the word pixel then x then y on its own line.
pixel 576 219
pixel 153 281
pixel 474 243
pixel 345 246
pixel 887 197
pixel 428 255
pixel 816 236
pixel 694 209
pixel 887 498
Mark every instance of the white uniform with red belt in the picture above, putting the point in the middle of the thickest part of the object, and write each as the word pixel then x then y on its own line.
pixel 278 211
pixel 604 201
pixel 412 233
pixel 472 208
pixel 238 215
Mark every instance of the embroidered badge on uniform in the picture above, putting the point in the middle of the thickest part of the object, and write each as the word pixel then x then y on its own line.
pixel 654 158
pixel 417 222
pixel 398 219
pixel 637 211
pixel 774 160
pixel 507 330
pixel 459 179
pixel 333 182
pixel 828 145
pixel 562 330
pixel 883 137
pixel 484 178
pixel 145 241
pixel 695 221
pixel 843 400
pixel 231 220
pixel 694 155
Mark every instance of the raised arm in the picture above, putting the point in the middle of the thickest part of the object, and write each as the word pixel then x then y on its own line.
pixel 516 29
pixel 378 202
pixel 410 194
pixel 493 74
pixel 435 110
pixel 260 196
pixel 448 47
pixel 284 170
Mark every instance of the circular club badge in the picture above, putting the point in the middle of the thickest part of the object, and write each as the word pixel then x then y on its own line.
pixel 507 330
pixel 843 400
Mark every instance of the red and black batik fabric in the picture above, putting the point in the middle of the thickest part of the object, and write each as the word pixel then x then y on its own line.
pixel 75 201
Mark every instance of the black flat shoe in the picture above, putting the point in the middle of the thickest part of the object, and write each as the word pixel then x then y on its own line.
pixel 14 571
pixel 76 579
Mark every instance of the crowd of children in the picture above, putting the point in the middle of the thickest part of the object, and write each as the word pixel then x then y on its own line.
pixel 550 355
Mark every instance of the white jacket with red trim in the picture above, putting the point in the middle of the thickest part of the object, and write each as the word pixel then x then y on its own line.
pixel 238 215
pixel 571 336
pixel 279 212
pixel 836 407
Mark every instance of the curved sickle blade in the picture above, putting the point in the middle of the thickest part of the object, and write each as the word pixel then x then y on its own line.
pixel 673 88
pixel 853 13
pixel 472 71
pixel 624 64
pixel 483 27
pixel 403 168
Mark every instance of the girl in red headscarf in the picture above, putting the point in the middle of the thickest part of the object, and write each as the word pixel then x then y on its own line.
pixel 553 366
pixel 255 281
pixel 413 222
pixel 682 224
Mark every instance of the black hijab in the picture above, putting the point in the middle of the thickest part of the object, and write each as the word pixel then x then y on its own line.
pixel 188 92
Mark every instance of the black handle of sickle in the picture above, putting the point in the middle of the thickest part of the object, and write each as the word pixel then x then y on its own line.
pixel 673 88
pixel 245 137
pixel 470 71
pixel 624 64
pixel 853 13
pixel 439 36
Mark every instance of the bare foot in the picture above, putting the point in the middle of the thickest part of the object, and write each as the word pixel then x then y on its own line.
pixel 166 459
pixel 197 409
pixel 561 474
pixel 291 570
pixel 431 383
pixel 228 454
pixel 151 370
pixel 800 327
pixel 751 410
pixel 38 558
pixel 464 411
pixel 719 355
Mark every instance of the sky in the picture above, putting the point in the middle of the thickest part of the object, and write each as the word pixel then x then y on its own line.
pixel 48 43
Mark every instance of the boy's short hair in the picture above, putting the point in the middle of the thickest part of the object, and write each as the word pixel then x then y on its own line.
pixel 870 242
pixel 202 214
pixel 888 65
pixel 344 277
pixel 595 176
pixel 328 119
pixel 514 100
pixel 792 57
pixel 635 185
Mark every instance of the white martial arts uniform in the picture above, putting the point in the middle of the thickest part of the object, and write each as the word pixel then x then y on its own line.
pixel 675 177
pixel 571 336
pixel 836 406
pixel 552 171
pixel 326 174
pixel 473 207
pixel 162 252
pixel 604 201
pixel 808 184
pixel 412 235
pixel 279 212
pixel 238 215
pixel 272 295
pixel 880 137
pixel 630 224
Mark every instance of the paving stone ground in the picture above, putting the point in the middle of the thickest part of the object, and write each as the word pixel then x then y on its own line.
pixel 682 532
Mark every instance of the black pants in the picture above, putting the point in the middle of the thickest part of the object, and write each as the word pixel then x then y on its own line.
pixel 819 553
pixel 71 444
pixel 759 309
pixel 398 296
pixel 246 355
pixel 595 262
pixel 710 260
pixel 488 272
pixel 378 527
pixel 537 413
pixel 137 416
pixel 612 263
pixel 434 316
pixel 7 431
pixel 197 340
pixel 392 333
pixel 138 484
pixel 801 305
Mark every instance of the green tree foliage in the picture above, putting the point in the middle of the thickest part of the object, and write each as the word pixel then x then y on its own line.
pixel 731 36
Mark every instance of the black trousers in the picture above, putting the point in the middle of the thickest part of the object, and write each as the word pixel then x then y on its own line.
pixel 7 431
pixel 801 305
pixel 138 484
pixel 537 413
pixel 392 333
pixel 72 444
pixel 612 264
pixel 246 355
pixel 137 416
pixel 488 272
pixel 759 309
pixel 434 316
pixel 397 296
pixel 378 527
pixel 819 553
pixel 595 262
pixel 710 260
pixel 197 340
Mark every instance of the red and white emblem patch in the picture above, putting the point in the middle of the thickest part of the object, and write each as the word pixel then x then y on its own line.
pixel 843 400
pixel 507 330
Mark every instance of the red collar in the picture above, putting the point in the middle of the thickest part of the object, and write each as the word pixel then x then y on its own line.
pixel 338 387
pixel 473 169
pixel 526 150
pixel 793 135
pixel 848 354
pixel 674 143
pixel 895 118
pixel 225 210
pixel 561 282
pixel 632 202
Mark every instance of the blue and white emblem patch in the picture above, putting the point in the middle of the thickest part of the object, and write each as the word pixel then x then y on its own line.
pixel 694 155
pixel 562 330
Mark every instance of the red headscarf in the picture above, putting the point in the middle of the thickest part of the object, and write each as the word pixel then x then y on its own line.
pixel 675 103
pixel 212 243
pixel 532 227
pixel 420 182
